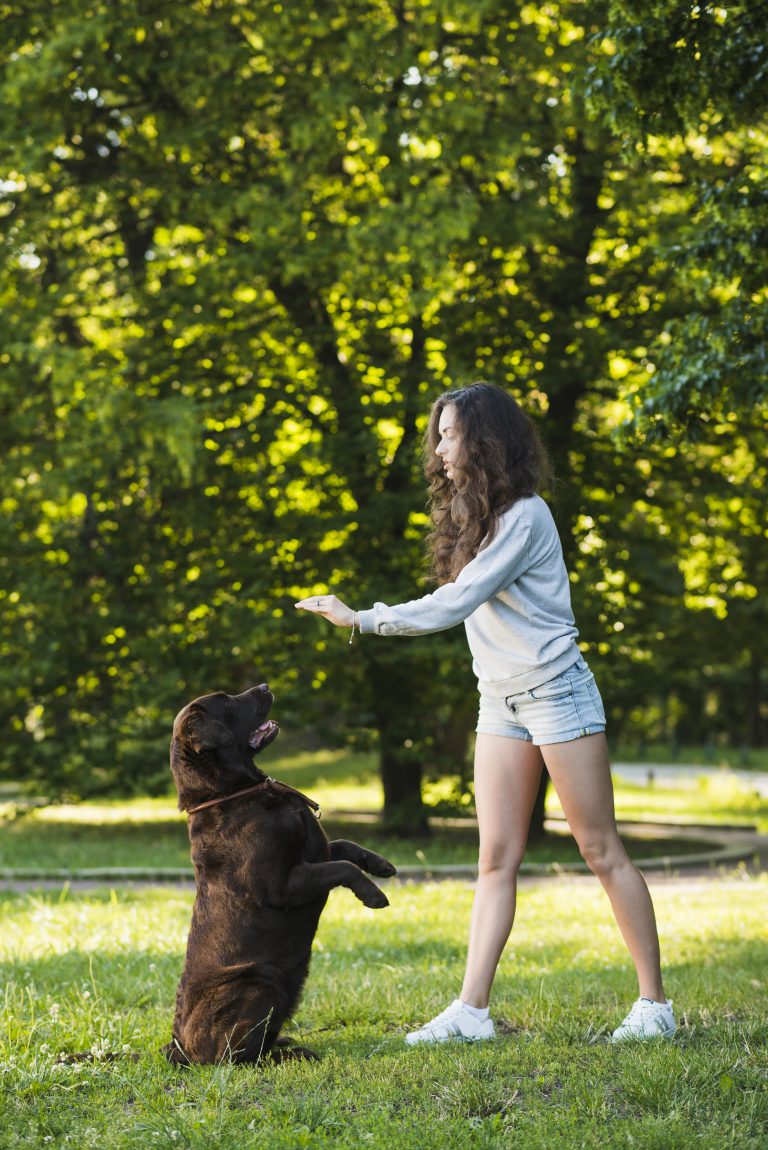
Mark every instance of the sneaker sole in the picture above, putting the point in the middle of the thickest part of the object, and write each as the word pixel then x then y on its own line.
pixel 412 1041
pixel 662 1034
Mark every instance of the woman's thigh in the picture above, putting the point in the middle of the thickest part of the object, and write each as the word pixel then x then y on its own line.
pixel 507 776
pixel 581 774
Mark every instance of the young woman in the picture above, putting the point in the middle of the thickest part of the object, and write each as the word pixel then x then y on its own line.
pixel 499 564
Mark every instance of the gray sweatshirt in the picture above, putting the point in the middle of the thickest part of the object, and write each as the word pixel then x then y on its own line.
pixel 513 598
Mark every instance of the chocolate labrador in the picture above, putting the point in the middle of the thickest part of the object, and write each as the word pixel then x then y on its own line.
pixel 263 871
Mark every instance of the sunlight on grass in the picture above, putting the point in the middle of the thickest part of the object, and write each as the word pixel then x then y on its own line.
pixel 719 798
pixel 152 833
pixel 415 947
pixel 98 972
pixel 110 812
pixel 341 781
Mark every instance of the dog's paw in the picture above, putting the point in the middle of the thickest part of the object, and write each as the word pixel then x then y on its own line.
pixel 375 898
pixel 285 1050
pixel 378 865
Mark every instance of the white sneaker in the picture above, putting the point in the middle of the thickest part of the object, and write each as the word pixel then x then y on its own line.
pixel 454 1022
pixel 647 1019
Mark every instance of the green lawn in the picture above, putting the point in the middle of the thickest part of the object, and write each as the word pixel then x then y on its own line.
pixel 100 970
pixel 152 833
pixel 77 839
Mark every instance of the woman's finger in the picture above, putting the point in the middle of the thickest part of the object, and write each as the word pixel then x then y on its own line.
pixel 316 603
pixel 330 607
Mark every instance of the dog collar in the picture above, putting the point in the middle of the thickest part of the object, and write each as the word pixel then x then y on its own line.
pixel 314 807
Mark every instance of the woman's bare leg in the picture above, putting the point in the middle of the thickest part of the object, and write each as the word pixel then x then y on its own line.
pixel 507 774
pixel 580 772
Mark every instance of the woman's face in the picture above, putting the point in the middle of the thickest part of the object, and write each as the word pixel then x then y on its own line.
pixel 449 442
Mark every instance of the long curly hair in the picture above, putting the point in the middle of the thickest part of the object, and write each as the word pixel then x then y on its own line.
pixel 501 459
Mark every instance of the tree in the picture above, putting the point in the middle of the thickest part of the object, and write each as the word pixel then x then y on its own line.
pixel 700 72
pixel 245 247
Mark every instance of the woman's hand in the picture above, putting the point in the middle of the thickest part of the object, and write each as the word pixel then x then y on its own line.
pixel 330 608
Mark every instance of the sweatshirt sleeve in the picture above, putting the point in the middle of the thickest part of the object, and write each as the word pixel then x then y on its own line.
pixel 493 568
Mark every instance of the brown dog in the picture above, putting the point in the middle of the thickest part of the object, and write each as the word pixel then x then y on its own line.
pixel 263 871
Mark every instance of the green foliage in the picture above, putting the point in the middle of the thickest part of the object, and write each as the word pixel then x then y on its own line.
pixel 699 72
pixel 669 65
pixel 244 247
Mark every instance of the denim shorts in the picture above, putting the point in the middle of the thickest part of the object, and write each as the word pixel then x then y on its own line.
pixel 564 708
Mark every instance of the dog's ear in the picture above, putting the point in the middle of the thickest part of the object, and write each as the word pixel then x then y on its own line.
pixel 202 733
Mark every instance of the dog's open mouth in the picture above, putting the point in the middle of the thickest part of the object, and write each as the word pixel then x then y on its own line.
pixel 263 735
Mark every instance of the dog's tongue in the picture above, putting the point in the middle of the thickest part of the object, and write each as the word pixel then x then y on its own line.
pixel 263 735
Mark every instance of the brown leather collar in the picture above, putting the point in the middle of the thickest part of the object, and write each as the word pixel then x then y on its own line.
pixel 252 791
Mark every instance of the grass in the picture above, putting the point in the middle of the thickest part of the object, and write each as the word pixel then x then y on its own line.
pixel 99 970
pixel 152 832
pixel 717 754
pixel 152 836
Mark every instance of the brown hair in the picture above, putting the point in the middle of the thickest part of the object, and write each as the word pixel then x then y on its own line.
pixel 501 459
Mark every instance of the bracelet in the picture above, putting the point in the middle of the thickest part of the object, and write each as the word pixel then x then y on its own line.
pixel 355 622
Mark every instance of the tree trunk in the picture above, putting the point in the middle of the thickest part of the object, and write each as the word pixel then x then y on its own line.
pixel 402 725
pixel 404 811
pixel 755 700
pixel 568 378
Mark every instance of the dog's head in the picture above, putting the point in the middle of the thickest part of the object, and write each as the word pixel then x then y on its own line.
pixel 214 740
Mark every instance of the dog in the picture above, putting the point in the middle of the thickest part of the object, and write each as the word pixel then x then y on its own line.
pixel 263 872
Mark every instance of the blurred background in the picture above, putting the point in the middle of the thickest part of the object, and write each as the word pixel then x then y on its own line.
pixel 244 247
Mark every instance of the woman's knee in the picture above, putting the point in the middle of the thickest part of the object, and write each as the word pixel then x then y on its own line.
pixel 603 854
pixel 502 861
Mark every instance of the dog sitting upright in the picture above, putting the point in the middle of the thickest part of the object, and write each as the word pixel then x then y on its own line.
pixel 263 871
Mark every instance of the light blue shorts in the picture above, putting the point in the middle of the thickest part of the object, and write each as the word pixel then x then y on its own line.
pixel 564 708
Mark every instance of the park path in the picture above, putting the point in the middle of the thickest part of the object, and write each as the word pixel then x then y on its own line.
pixel 685 879
pixel 670 774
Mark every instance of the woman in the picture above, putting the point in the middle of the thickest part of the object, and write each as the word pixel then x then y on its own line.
pixel 499 564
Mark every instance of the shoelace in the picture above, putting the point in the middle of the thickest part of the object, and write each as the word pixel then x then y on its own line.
pixel 450 1014
pixel 642 1011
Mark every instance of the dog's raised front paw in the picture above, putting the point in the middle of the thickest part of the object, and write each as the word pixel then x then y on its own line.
pixel 378 865
pixel 375 898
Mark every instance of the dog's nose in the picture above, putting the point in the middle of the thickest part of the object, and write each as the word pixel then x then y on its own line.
pixel 261 689
pixel 248 695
